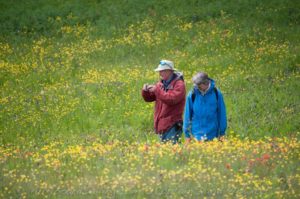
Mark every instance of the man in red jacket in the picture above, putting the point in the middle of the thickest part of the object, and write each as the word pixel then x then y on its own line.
pixel 169 97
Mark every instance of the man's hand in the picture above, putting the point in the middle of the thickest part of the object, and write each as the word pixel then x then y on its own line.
pixel 152 88
pixel 145 87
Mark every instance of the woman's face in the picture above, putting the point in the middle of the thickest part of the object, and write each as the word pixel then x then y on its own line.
pixel 203 87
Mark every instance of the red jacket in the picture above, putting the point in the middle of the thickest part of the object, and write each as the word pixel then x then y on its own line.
pixel 169 104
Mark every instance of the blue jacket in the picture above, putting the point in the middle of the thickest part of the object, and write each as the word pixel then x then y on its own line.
pixel 208 114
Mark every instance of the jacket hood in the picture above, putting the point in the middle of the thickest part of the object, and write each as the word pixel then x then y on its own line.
pixel 179 75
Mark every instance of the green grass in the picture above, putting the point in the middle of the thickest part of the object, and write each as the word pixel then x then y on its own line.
pixel 50 50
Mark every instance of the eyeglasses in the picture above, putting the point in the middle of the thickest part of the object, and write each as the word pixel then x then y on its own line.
pixel 164 63
pixel 202 83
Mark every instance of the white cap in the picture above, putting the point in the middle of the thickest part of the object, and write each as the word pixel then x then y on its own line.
pixel 165 65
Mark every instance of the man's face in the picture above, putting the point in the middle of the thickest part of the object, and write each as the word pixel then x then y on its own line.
pixel 165 74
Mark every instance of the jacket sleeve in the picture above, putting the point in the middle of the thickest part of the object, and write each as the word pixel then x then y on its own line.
pixel 172 97
pixel 187 116
pixel 222 118
pixel 148 96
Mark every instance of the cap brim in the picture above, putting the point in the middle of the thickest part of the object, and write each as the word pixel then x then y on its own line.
pixel 161 69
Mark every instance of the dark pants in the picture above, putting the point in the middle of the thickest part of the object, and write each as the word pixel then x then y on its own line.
pixel 173 135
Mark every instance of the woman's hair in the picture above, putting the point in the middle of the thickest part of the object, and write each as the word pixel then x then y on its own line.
pixel 200 78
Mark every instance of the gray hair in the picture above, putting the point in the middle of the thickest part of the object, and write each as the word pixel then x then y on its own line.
pixel 200 78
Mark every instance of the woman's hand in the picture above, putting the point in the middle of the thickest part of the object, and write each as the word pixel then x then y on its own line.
pixel 187 141
pixel 222 138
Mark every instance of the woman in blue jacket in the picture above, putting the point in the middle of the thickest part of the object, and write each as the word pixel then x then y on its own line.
pixel 205 112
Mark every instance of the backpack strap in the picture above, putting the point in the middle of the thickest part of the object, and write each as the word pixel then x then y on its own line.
pixel 193 96
pixel 216 92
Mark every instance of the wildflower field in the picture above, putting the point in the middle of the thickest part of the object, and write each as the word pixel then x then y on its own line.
pixel 236 168
pixel 74 124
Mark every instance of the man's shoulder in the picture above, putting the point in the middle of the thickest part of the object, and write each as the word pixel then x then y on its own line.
pixel 178 82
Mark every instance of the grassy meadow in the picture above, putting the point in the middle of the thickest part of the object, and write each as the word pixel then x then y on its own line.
pixel 74 124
